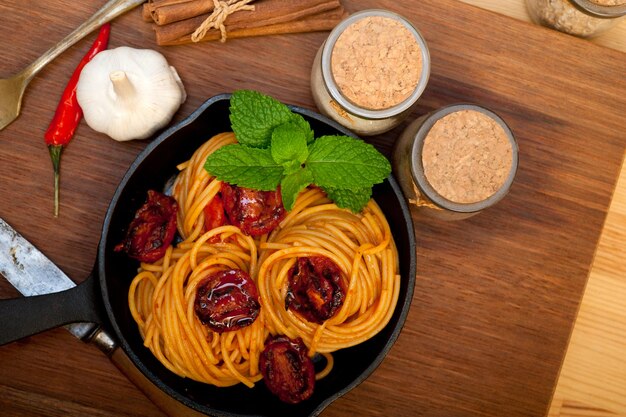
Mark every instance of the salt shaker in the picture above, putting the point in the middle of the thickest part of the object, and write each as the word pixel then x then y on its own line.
pixel 370 71
pixel 456 161
pixel 583 18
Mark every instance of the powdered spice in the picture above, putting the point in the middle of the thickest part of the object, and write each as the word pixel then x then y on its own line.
pixel 376 62
pixel 467 156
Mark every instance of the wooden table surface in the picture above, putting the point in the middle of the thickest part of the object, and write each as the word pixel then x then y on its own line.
pixel 592 378
pixel 497 295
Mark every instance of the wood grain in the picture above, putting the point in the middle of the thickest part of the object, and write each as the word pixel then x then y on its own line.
pixel 496 295
pixel 592 378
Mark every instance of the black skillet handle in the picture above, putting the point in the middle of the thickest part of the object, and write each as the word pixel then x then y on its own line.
pixel 26 316
pixel 169 405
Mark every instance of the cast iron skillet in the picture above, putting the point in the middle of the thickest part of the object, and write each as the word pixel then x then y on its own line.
pixel 114 271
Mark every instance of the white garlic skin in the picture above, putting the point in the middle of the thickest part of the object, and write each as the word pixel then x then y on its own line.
pixel 146 93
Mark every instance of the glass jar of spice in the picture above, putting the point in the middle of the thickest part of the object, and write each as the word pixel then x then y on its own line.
pixel 370 71
pixel 584 18
pixel 456 161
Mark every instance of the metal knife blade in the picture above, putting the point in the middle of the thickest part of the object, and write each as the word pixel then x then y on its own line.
pixel 32 273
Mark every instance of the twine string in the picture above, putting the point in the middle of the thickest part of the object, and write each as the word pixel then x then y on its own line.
pixel 421 201
pixel 222 9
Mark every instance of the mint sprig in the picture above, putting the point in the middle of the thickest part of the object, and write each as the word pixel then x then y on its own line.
pixel 278 147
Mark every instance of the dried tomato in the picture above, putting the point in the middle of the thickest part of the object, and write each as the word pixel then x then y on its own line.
pixel 287 370
pixel 152 230
pixel 214 215
pixel 316 289
pixel 227 300
pixel 254 212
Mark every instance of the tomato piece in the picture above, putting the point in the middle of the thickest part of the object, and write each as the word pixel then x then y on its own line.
pixel 316 289
pixel 152 230
pixel 287 370
pixel 214 215
pixel 254 212
pixel 227 300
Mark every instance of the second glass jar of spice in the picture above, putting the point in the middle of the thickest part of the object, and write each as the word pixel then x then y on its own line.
pixel 370 71
pixel 456 161
pixel 583 18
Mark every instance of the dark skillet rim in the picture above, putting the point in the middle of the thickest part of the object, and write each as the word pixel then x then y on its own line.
pixel 405 303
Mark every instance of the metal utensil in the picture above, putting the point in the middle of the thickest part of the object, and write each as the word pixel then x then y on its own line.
pixel 12 88
pixel 33 274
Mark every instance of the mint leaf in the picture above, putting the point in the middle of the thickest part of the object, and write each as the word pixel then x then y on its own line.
pixel 292 184
pixel 291 167
pixel 289 144
pixel 341 162
pixel 245 167
pixel 305 126
pixel 253 117
pixel 354 200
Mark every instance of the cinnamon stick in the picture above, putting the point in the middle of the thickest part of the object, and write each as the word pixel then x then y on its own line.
pixel 161 3
pixel 171 13
pixel 151 7
pixel 146 13
pixel 313 23
pixel 266 13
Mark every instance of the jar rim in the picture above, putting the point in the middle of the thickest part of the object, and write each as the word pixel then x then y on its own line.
pixel 417 167
pixel 600 11
pixel 332 86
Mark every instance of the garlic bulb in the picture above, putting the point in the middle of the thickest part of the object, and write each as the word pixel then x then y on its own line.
pixel 129 93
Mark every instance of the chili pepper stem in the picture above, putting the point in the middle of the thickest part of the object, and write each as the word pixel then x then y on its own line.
pixel 55 155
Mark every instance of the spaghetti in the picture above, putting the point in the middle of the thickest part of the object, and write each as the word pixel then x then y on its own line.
pixel 162 294
pixel 360 244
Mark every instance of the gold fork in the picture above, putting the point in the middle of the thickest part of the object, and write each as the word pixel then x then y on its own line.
pixel 12 89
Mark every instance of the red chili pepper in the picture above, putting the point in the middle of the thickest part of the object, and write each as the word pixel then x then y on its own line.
pixel 68 113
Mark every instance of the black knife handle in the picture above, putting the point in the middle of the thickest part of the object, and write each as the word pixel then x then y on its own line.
pixel 26 316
